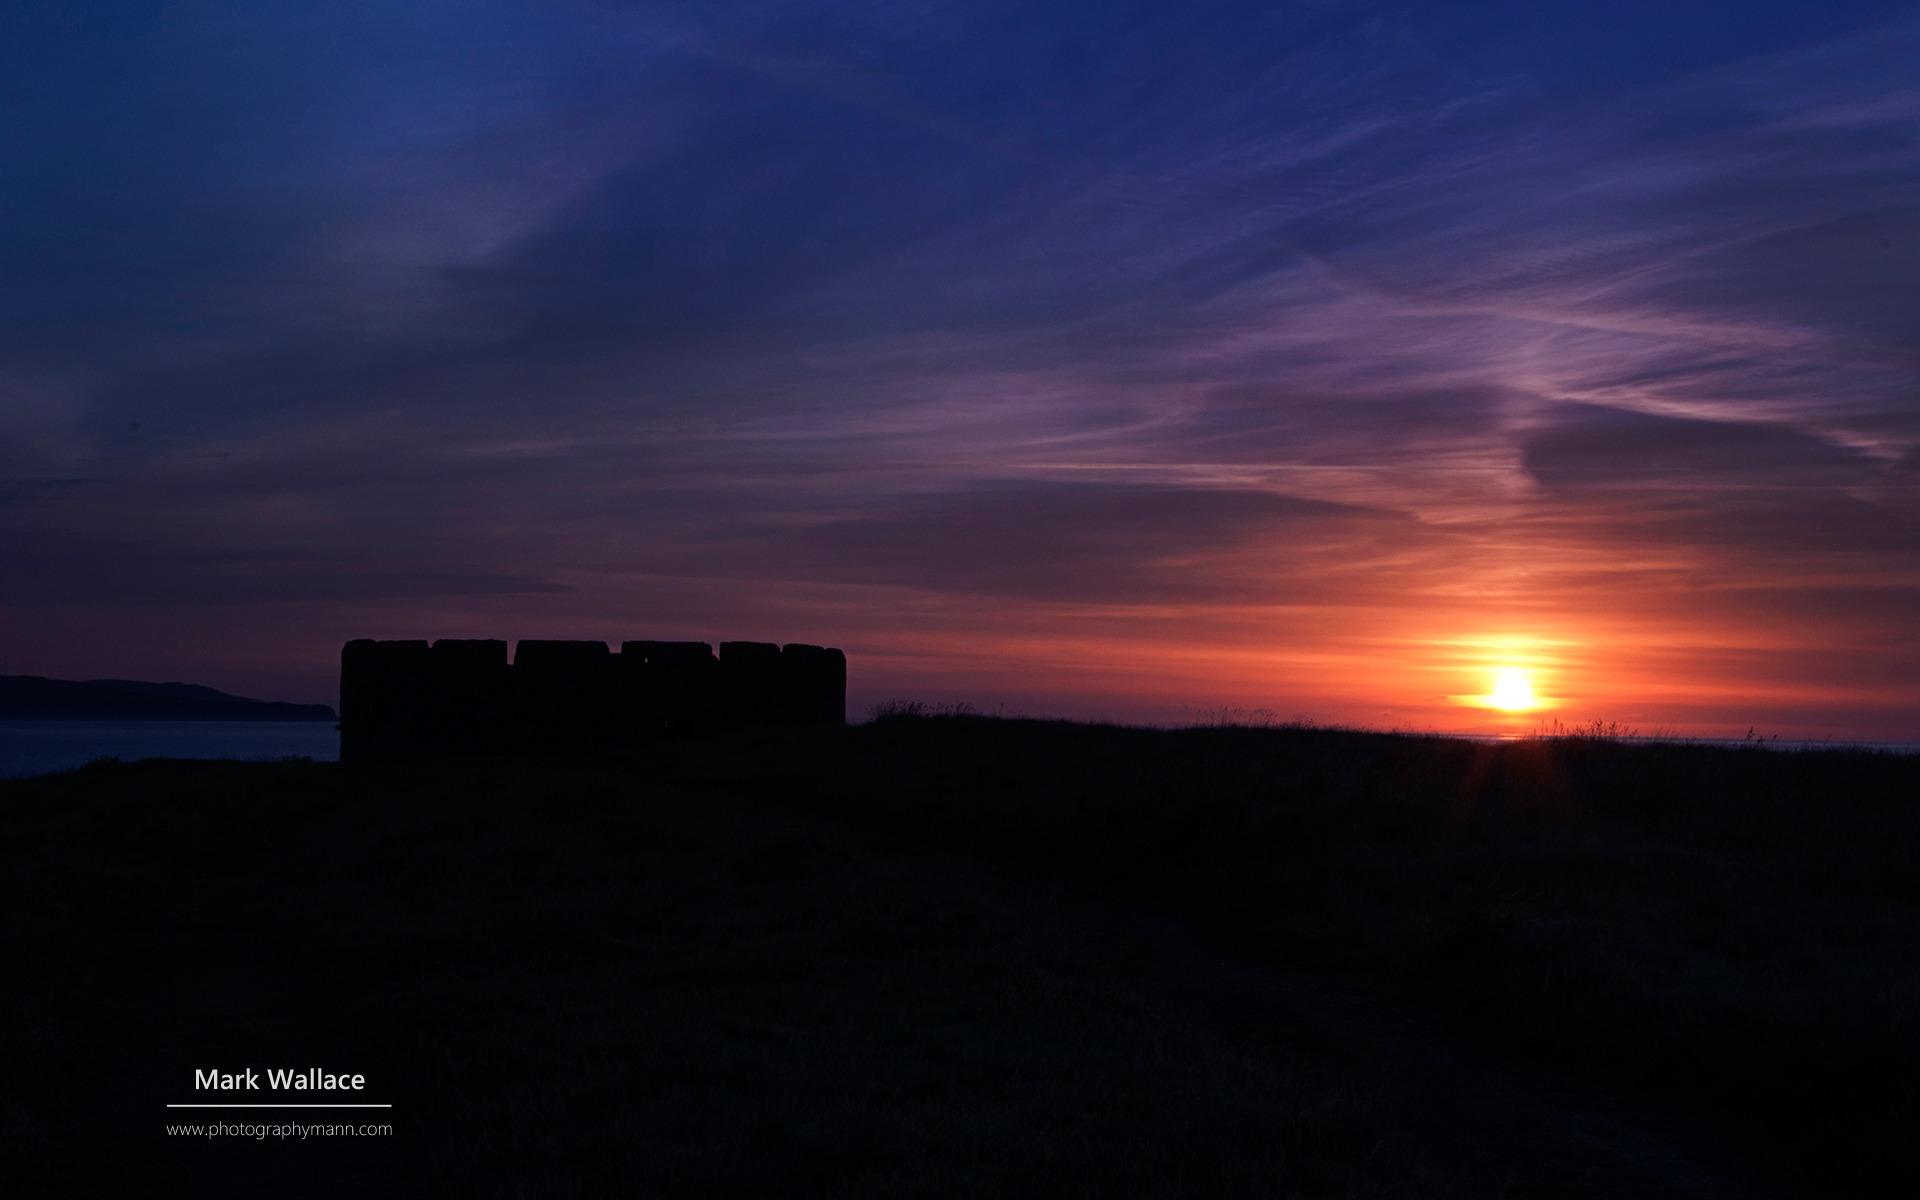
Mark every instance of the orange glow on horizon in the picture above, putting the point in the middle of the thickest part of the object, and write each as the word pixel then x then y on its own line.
pixel 1368 668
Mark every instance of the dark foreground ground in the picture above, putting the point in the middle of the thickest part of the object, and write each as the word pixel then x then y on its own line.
pixel 963 957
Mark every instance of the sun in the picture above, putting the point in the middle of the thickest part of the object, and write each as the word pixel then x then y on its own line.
pixel 1512 690
pixel 1521 673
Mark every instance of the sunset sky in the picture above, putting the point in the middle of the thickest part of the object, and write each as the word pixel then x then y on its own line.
pixel 1103 359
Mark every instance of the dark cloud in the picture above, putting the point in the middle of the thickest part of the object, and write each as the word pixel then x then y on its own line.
pixel 1090 542
pixel 1590 446
pixel 1759 504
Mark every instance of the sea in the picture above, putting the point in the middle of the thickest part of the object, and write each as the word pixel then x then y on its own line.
pixel 41 747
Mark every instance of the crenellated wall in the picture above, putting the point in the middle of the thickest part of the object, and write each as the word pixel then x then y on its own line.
pixel 412 699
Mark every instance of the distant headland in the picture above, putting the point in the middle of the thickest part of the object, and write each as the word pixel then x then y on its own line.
pixel 36 698
pixel 414 699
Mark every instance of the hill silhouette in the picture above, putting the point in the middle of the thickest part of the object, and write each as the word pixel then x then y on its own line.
pixel 962 956
pixel 36 698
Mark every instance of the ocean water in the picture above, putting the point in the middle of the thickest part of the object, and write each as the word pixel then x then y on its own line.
pixel 1784 745
pixel 38 747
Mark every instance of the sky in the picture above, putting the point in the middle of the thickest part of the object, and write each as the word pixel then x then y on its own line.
pixel 1137 361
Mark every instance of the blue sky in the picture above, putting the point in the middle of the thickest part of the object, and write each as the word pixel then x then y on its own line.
pixel 1099 359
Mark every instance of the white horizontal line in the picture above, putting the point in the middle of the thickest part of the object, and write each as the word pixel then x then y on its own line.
pixel 279 1106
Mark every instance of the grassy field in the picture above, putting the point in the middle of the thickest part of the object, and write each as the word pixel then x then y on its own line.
pixel 964 957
